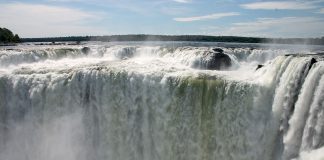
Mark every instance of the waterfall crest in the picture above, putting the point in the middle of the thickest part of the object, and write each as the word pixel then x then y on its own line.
pixel 147 102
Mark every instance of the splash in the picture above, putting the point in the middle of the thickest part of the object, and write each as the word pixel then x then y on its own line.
pixel 148 102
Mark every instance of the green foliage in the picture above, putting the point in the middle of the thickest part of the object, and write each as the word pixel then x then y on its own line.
pixel 6 36
pixel 142 37
pixel 196 38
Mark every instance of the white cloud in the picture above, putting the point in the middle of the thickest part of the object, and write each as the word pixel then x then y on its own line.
pixel 36 20
pixel 279 27
pixel 280 5
pixel 182 1
pixel 206 17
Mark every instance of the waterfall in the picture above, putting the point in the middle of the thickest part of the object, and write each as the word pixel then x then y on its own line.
pixel 306 131
pixel 147 103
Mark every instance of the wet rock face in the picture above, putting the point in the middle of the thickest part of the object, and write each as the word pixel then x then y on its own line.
pixel 85 50
pixel 214 60
pixel 259 66
pixel 219 50
pixel 218 61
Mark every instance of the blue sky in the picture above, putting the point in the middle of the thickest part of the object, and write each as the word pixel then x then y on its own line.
pixel 43 18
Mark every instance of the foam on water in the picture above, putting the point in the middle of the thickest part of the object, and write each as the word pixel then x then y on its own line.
pixel 148 102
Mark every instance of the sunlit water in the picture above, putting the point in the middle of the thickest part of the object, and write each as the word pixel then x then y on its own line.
pixel 131 101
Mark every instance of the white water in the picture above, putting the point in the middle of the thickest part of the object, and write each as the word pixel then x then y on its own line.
pixel 147 102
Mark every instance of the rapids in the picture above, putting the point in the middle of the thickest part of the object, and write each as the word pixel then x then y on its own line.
pixel 147 102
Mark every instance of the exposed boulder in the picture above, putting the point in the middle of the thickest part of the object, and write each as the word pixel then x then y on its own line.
pixel 219 61
pixel 214 60
pixel 259 66
pixel 219 50
pixel 85 50
pixel 312 62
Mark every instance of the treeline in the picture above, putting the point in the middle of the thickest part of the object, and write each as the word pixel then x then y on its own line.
pixel 199 38
pixel 6 36
pixel 142 37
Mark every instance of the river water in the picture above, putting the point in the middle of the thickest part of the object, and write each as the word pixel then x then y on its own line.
pixel 147 101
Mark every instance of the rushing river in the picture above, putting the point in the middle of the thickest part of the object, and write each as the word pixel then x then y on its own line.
pixel 131 101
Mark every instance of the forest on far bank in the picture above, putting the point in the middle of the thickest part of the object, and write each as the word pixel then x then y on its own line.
pixel 197 38
pixel 6 36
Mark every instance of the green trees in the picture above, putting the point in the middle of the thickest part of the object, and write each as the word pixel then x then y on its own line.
pixel 6 36
pixel 195 38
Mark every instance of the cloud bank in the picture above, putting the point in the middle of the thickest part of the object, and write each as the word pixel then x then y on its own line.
pixel 280 5
pixel 279 27
pixel 52 20
pixel 207 17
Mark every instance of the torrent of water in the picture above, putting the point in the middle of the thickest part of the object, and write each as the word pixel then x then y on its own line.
pixel 149 102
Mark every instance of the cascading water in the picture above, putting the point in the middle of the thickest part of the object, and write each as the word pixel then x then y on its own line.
pixel 150 102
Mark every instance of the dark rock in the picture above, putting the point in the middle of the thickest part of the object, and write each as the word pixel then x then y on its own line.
pixel 259 66
pixel 219 61
pixel 85 50
pixel 219 50
pixel 313 61
pixel 214 61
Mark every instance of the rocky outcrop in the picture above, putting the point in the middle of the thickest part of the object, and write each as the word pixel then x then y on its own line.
pixel 219 50
pixel 312 62
pixel 85 50
pixel 259 66
pixel 216 59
